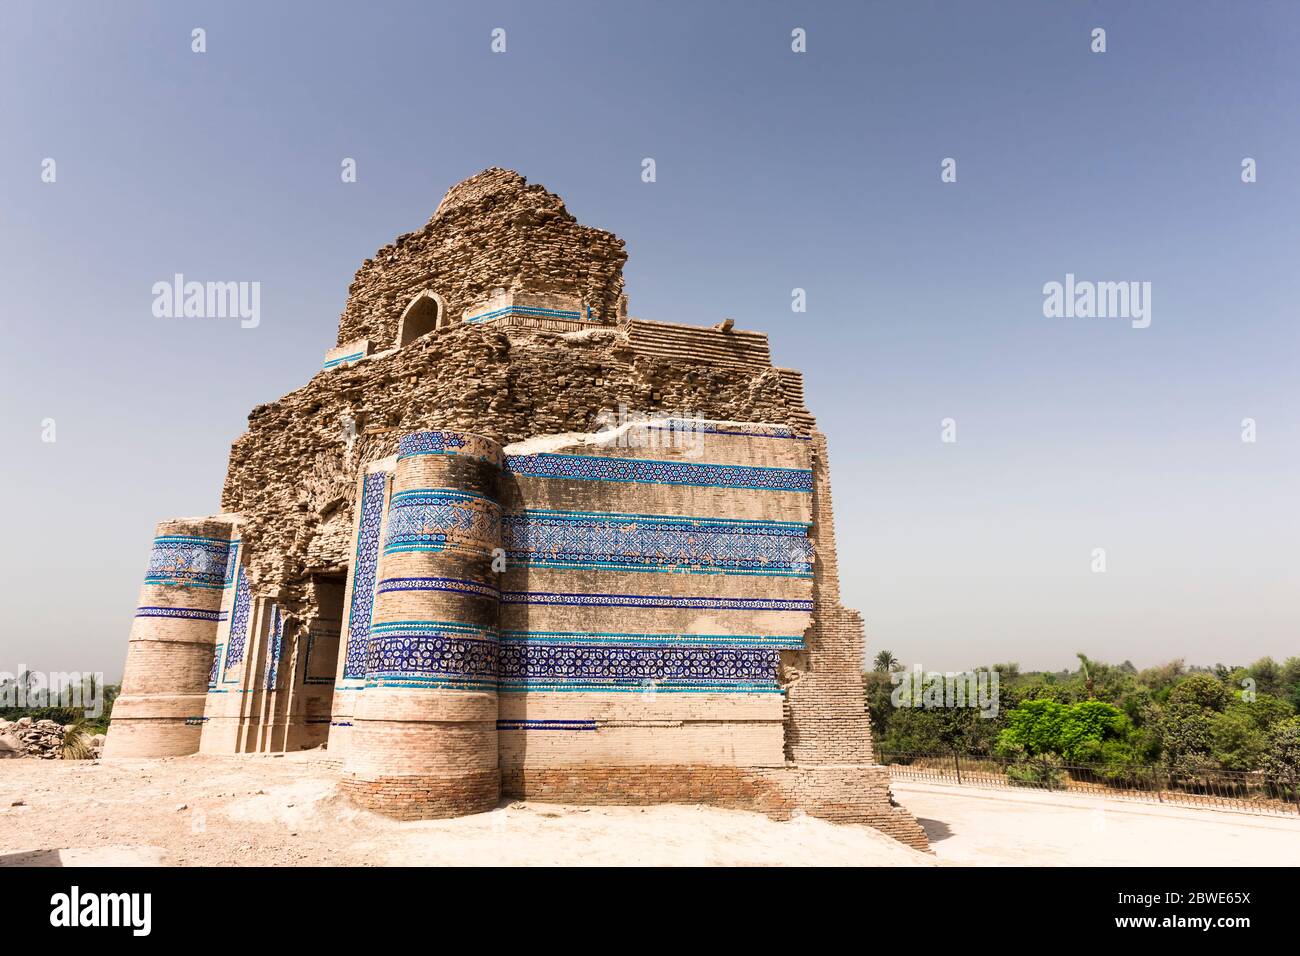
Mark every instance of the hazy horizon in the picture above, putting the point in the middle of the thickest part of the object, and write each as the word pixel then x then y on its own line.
pixel 775 170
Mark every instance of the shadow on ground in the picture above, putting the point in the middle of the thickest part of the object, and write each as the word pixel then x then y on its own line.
pixel 936 830
pixel 32 858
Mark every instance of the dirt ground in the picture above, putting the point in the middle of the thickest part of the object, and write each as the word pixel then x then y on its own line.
pixel 968 826
pixel 284 811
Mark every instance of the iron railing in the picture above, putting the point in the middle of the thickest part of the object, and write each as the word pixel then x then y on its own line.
pixel 1242 791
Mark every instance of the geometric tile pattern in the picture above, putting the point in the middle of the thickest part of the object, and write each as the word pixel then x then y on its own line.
pixel 239 621
pixel 448 443
pixel 631 542
pixel 216 664
pixel 444 654
pixel 276 645
pixel 232 564
pixel 599 639
pixel 188 613
pixel 430 443
pixel 547 665
pixel 441 519
pixel 188 561
pixel 453 585
pixel 647 471
pixel 363 577
pixel 687 602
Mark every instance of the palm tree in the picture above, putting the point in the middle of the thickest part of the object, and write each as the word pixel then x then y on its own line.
pixel 1087 673
pixel 885 661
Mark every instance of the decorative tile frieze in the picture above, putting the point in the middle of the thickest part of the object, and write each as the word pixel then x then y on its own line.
pixel 675 602
pixel 448 443
pixel 433 653
pixel 441 519
pixel 646 471
pixel 188 561
pixel 666 543
pixel 184 613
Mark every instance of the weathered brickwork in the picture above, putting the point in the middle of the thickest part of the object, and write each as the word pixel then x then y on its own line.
pixel 492 231
pixel 453 558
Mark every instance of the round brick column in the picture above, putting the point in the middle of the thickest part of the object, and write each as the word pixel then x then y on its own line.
pixel 424 739
pixel 170 655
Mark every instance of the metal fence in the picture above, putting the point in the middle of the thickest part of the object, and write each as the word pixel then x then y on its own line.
pixel 1242 791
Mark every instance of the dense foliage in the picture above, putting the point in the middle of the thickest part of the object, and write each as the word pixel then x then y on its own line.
pixel 1183 719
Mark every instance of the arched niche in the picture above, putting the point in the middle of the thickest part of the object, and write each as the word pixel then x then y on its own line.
pixel 426 312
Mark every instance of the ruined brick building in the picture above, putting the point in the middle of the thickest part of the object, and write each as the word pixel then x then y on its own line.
pixel 455 560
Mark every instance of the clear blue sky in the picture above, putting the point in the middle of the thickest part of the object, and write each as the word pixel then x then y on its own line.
pixel 775 171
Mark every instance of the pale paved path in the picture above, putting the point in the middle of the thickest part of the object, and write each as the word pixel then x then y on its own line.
pixel 989 827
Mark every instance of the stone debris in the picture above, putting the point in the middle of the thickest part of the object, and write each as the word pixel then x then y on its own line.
pixel 42 739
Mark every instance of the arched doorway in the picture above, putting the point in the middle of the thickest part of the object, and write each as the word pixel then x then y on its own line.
pixel 423 314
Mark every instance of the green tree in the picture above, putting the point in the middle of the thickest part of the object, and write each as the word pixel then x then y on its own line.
pixel 1267 675
pixel 1187 723
pixel 885 661
pixel 1073 732
pixel 1281 760
pixel 1236 741
pixel 1290 689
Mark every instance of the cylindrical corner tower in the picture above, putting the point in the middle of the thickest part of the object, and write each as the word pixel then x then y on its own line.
pixel 424 740
pixel 170 656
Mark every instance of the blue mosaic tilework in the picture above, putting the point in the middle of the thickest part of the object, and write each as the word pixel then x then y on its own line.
pixel 276 647
pixel 188 613
pixel 239 622
pixel 332 363
pixel 232 564
pixel 463 444
pixel 432 654
pixel 216 666
pixel 666 543
pixel 546 725
pixel 363 575
pixel 422 520
pixel 188 561
pixel 543 665
pixel 531 311
pixel 454 585
pixel 606 639
pixel 645 471
pixel 430 443
pixel 689 602
pixel 633 687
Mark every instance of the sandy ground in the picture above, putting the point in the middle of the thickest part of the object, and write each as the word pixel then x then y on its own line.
pixel 974 827
pixel 277 811
pixel 280 811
